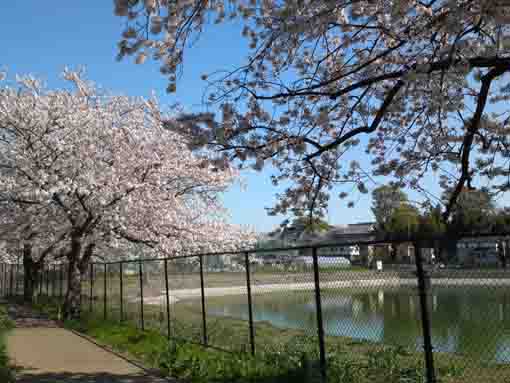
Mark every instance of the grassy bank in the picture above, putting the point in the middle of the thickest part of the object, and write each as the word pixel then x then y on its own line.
pixel 6 374
pixel 293 360
pixel 281 355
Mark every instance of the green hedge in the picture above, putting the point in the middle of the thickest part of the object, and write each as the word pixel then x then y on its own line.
pixel 6 374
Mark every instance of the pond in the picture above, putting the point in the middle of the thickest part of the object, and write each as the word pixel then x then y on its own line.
pixel 473 321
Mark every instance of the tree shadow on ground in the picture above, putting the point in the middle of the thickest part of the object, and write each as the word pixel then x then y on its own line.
pixel 105 377
pixel 96 377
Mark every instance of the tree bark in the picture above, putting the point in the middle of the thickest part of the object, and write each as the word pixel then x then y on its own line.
pixel 77 269
pixel 31 273
pixel 71 308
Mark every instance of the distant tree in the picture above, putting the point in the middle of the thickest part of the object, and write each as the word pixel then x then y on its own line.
pixel 405 220
pixel 385 200
pixel 431 222
pixel 312 224
pixel 432 225
pixel 473 212
pixel 501 221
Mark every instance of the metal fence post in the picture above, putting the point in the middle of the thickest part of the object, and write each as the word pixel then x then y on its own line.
pixel 81 295
pixel 121 291
pixel 61 287
pixel 54 280
pixel 91 287
pixel 11 290
pixel 425 319
pixel 21 276
pixel 104 292
pixel 48 281
pixel 19 285
pixel 140 269
pixel 320 324
pixel 4 277
pixel 41 280
pixel 167 301
pixel 16 278
pixel 2 280
pixel 202 293
pixel 250 306
pixel 5 280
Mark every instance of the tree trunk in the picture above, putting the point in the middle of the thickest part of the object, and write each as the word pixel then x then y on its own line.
pixel 393 253
pixel 503 254
pixel 77 269
pixel 31 275
pixel 439 253
pixel 31 284
pixel 72 309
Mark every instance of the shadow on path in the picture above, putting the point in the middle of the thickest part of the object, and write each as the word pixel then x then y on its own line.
pixel 96 377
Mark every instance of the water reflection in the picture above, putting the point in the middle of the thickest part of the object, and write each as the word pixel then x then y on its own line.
pixel 471 321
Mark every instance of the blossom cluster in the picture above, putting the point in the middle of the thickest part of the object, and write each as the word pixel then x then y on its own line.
pixel 421 86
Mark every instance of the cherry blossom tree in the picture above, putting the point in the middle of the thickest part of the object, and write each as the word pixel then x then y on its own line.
pixel 98 170
pixel 419 85
pixel 26 230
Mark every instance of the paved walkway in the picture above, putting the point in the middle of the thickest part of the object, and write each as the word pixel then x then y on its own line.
pixel 45 353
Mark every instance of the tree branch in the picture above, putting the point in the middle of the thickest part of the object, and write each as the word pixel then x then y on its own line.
pixel 364 129
pixel 472 130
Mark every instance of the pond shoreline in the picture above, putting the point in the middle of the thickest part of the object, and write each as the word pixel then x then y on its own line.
pixel 182 294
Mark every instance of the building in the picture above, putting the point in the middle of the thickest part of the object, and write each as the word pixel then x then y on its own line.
pixel 480 251
pixel 344 241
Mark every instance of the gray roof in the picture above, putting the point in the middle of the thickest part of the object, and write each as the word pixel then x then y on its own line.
pixel 338 233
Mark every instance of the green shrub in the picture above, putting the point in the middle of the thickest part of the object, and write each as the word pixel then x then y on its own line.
pixel 5 322
pixel 6 374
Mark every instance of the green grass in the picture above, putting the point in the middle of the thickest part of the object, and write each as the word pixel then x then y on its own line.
pixel 6 373
pixel 193 362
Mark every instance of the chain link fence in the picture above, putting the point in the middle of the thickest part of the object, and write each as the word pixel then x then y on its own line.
pixel 356 312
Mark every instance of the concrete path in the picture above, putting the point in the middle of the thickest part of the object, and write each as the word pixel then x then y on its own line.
pixel 48 354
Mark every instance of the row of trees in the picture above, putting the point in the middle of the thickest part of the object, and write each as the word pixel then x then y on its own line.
pixel 474 212
pixel 84 171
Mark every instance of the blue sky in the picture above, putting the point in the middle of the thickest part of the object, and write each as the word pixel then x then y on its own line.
pixel 42 37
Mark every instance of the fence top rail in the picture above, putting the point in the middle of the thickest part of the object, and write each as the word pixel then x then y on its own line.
pixel 383 241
